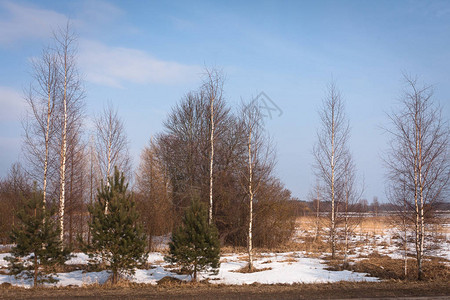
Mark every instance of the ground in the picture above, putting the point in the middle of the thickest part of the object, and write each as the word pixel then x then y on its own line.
pixel 298 270
pixel 284 268
pixel 340 290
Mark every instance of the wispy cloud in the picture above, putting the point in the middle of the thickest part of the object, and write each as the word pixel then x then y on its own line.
pixel 114 66
pixel 98 11
pixel 19 22
pixel 102 64
pixel 12 104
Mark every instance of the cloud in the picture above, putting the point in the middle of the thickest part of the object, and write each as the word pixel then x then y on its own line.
pixel 97 11
pixel 12 104
pixel 102 64
pixel 18 22
pixel 114 66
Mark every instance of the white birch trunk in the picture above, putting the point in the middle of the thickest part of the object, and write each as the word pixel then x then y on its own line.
pixel 210 216
pixel 108 168
pixel 63 154
pixel 421 215
pixel 333 217
pixel 250 191
pixel 405 250
pixel 418 198
pixel 47 132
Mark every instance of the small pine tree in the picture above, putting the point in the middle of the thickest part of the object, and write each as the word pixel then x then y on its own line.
pixel 38 249
pixel 195 244
pixel 117 238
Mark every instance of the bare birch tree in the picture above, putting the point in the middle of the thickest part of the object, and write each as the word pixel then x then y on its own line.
pixel 111 144
pixel 259 162
pixel 40 121
pixel 418 157
pixel 330 153
pixel 351 196
pixel 398 195
pixel 70 94
pixel 213 87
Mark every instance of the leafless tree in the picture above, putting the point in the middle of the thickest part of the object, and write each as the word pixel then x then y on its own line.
pixel 186 146
pixel 76 168
pixel 69 97
pixel 418 157
pixel 330 152
pixel 351 196
pixel 260 161
pixel 39 123
pixel 213 87
pixel 111 144
pixel 153 194
pixel 93 183
pixel 403 216
pixel 13 190
pixel 184 152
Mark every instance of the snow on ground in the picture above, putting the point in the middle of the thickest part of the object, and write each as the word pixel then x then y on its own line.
pixel 75 278
pixel 78 259
pixel 153 275
pixel 285 268
pixel 388 243
pixel 384 238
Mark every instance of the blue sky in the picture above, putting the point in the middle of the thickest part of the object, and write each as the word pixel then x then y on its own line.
pixel 143 56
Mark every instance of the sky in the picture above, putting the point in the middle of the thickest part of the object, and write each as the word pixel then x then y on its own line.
pixel 144 56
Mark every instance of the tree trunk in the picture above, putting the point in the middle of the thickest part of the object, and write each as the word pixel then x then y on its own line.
pixel 333 221
pixel 63 154
pixel 405 249
pixel 115 276
pixel 47 131
pixel 317 215
pixel 346 240
pixel 418 197
pixel 210 216
pixel 150 243
pixel 250 191
pixel 195 272
pixel 422 217
pixel 108 169
pixel 91 186
pixel 36 269
pixel 71 206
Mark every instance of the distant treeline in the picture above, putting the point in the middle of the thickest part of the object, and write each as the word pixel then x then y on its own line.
pixel 309 208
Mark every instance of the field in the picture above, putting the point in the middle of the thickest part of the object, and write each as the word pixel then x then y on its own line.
pixel 341 290
pixel 301 268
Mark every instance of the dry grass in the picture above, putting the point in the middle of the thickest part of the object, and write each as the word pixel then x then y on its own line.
pixel 337 290
pixel 5 249
pixel 375 225
pixel 246 269
pixel 289 260
pixel 386 268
